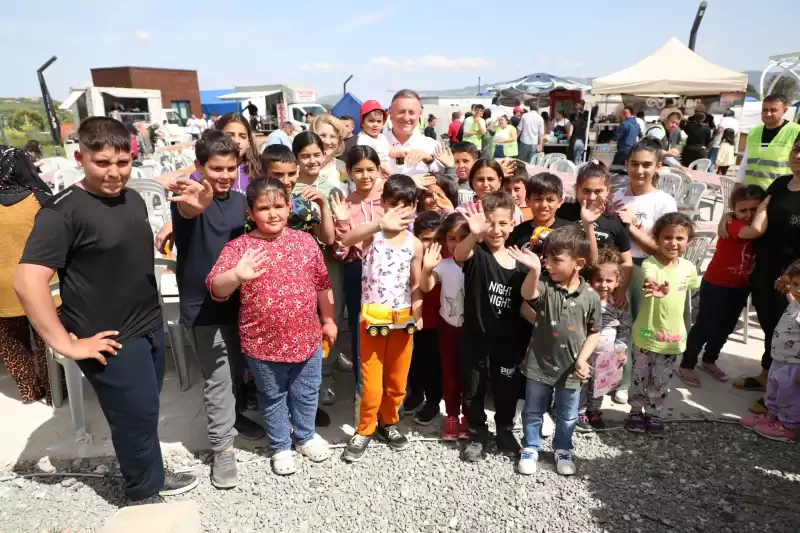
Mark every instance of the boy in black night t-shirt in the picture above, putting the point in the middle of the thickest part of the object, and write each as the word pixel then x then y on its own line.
pixel 492 302
pixel 96 235
pixel 545 194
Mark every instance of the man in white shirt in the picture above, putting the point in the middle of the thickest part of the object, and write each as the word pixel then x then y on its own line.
pixel 404 112
pixel 531 133
pixel 193 127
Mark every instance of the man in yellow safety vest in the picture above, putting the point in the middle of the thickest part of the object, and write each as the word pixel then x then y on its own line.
pixel 768 145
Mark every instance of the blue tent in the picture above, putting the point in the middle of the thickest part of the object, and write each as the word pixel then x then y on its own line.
pixel 348 105
pixel 211 104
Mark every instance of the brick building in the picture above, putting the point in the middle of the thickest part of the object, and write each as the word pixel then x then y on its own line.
pixel 179 88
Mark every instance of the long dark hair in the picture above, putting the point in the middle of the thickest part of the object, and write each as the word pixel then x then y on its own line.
pixel 306 138
pixel 251 159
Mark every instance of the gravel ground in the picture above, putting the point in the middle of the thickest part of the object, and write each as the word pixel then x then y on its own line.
pixel 702 477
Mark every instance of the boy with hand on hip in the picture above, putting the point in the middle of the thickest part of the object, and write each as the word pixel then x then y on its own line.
pixel 565 333
pixel 95 234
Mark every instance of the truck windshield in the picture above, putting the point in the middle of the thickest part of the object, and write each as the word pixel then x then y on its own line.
pixel 315 109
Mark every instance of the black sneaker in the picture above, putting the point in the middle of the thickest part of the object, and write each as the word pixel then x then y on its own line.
pixel 475 447
pixel 322 420
pixel 247 429
pixel 411 405
pixel 583 422
pixel 152 500
pixel 356 447
pixel 396 440
pixel 507 443
pixel 596 420
pixel 427 414
pixel 224 474
pixel 175 484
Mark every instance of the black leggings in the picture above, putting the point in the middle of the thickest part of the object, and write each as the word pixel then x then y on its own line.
pixel 770 305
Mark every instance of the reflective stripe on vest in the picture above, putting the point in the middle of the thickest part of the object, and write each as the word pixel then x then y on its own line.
pixel 766 164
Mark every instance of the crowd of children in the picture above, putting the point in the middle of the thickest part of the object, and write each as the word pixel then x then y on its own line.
pixel 474 279
pixel 489 280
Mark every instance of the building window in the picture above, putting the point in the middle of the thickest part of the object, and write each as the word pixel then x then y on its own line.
pixel 183 108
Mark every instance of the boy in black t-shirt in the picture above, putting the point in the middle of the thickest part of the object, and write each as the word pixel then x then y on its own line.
pixel 492 302
pixel 545 194
pixel 97 236
pixel 205 217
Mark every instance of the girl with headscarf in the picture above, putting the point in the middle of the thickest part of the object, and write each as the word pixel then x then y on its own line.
pixel 22 192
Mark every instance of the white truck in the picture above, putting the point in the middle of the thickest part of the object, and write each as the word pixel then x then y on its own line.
pixel 277 103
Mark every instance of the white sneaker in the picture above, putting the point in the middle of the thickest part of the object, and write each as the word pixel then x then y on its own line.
pixel 565 462
pixel 527 461
pixel 548 427
pixel 621 396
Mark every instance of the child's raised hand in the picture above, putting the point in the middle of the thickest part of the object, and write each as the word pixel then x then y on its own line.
pixel 312 194
pixel 591 211
pixel 654 289
pixel 341 210
pixel 626 214
pixel 423 181
pixel 581 370
pixel 414 156
pixel 250 265
pixel 509 167
pixel 442 201
pixel 397 218
pixel 475 218
pixel 526 257
pixel 193 194
pixel 432 257
pixel 444 155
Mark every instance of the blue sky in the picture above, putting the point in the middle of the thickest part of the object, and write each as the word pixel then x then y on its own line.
pixel 432 44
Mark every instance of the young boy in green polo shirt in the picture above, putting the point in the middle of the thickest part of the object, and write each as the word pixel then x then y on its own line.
pixel 566 331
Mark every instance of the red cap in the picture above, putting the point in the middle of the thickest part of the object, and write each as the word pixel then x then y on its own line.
pixel 518 109
pixel 369 106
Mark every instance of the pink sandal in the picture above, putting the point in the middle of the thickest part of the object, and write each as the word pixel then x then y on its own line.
pixel 692 380
pixel 715 372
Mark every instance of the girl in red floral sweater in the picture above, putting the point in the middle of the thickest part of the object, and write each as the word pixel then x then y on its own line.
pixel 282 281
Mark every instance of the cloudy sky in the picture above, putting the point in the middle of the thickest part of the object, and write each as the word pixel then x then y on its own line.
pixel 422 44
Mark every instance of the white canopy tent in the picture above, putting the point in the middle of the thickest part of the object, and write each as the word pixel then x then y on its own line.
pixel 672 69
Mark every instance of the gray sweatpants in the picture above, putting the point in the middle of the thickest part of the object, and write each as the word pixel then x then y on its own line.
pixel 652 373
pixel 221 361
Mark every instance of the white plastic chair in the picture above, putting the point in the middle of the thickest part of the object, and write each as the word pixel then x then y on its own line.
pixel 549 159
pixel 563 165
pixel 689 201
pixel 66 177
pixel 74 379
pixel 155 198
pixel 696 253
pixel 538 159
pixel 723 194
pixel 670 184
pixel 701 165
pixel 171 313
pixel 52 164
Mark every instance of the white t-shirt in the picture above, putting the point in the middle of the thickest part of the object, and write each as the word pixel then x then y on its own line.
pixel 379 143
pixel 649 208
pixel 531 128
pixel 641 123
pixel 452 301
pixel 417 141
pixel 193 126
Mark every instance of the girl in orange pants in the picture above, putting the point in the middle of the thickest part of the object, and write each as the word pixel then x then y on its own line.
pixel 391 310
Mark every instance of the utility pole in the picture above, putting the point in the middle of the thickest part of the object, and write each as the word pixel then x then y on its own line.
pixel 49 109
pixel 3 131
pixel 698 18
pixel 344 86
pixel 479 85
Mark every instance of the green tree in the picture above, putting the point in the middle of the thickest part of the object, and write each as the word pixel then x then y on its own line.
pixel 25 120
pixel 751 91
pixel 788 87
pixel 65 117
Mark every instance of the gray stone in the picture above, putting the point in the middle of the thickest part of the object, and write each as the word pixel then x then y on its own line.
pixel 177 517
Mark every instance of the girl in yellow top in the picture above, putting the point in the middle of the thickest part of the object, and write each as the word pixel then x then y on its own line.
pixel 659 332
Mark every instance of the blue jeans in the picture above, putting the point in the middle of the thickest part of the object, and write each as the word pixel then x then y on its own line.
pixel 287 396
pixel 578 150
pixel 526 151
pixel 352 299
pixel 537 402
pixel 712 155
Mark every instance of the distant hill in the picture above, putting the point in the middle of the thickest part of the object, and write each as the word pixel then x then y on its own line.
pixel 8 106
